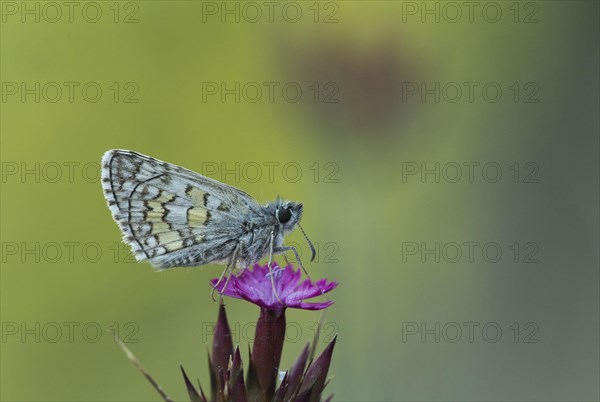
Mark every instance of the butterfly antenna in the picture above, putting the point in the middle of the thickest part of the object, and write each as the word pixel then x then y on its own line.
pixel 312 248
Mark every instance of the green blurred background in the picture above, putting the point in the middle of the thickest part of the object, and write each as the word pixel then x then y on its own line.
pixel 347 148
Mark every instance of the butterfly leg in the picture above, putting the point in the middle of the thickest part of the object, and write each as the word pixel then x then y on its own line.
pixel 216 285
pixel 228 268
pixel 283 249
pixel 287 262
pixel 271 244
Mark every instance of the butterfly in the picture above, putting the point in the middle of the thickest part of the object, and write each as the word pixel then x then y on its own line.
pixel 174 217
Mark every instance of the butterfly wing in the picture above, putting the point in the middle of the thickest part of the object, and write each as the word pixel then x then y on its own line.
pixel 172 216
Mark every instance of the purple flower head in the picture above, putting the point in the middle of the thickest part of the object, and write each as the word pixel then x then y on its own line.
pixel 254 285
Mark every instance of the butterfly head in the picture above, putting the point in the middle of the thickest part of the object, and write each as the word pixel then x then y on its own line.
pixel 288 215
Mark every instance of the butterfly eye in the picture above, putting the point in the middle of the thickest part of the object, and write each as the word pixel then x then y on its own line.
pixel 284 215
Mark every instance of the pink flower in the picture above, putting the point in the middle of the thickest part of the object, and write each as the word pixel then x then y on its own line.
pixel 254 285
